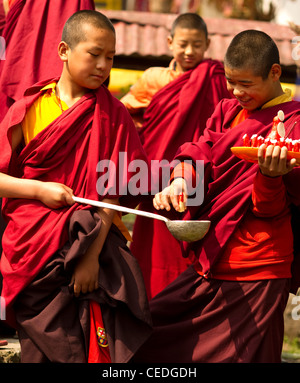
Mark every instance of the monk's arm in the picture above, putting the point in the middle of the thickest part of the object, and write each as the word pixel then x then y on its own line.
pixel 52 194
pixel 269 193
pixel 183 175
pixel 85 275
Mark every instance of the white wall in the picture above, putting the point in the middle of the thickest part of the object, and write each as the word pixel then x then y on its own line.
pixel 286 10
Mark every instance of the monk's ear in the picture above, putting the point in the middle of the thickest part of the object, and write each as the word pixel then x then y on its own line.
pixel 275 72
pixel 170 42
pixel 207 43
pixel 63 49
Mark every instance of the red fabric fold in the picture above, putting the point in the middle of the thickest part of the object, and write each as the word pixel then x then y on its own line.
pixel 178 112
pixel 2 17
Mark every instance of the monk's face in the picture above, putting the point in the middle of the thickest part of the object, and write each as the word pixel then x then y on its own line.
pixel 89 63
pixel 250 90
pixel 188 47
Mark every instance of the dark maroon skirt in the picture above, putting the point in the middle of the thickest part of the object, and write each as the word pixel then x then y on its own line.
pixel 214 321
pixel 53 325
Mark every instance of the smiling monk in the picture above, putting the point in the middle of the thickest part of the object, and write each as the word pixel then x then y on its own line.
pixel 229 305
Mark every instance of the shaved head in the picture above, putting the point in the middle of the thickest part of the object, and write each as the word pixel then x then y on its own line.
pixel 253 50
pixel 189 21
pixel 74 29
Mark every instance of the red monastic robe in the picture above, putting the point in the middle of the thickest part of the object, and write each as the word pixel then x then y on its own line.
pixel 177 114
pixel 213 320
pixel 96 128
pixel 229 180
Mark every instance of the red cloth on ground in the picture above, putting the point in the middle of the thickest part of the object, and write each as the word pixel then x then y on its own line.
pixel 66 152
pixel 176 114
pixel 32 33
pixel 228 179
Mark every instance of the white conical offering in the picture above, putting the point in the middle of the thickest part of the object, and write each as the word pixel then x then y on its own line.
pixel 281 129
pixel 280 115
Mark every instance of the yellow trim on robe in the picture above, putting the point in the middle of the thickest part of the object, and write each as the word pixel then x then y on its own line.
pixel 286 97
pixel 41 113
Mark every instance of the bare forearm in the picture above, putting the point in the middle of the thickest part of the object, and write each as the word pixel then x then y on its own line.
pixel 107 216
pixel 52 194
pixel 12 187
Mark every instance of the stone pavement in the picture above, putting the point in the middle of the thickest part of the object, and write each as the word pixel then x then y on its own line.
pixel 11 352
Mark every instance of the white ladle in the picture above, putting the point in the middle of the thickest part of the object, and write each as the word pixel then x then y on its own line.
pixel 188 231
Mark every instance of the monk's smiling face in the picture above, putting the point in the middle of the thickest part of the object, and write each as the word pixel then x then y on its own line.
pixel 250 90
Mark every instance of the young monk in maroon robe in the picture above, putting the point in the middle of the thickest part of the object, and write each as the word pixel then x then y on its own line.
pixel 228 306
pixel 176 114
pixel 71 286
pixel 31 32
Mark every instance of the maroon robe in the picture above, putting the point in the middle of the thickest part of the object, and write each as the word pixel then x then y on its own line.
pixel 97 127
pixel 32 33
pixel 229 180
pixel 176 114
pixel 211 320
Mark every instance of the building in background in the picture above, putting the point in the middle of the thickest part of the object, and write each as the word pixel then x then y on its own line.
pixel 142 43
pixel 278 11
pixel 143 25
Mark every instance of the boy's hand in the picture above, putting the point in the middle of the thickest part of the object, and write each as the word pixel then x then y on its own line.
pixel 55 195
pixel 171 194
pixel 85 275
pixel 274 163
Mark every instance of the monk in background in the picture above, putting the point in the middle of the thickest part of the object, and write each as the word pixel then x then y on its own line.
pixel 178 101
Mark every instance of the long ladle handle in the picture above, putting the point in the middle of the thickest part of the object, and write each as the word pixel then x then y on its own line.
pixel 119 208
